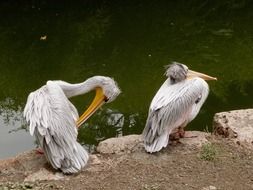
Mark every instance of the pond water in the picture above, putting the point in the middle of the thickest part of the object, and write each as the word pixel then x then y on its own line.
pixel 130 41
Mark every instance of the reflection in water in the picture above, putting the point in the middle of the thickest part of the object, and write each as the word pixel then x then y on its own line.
pixel 223 32
pixel 107 123
pixel 11 115
pixel 239 94
pixel 14 135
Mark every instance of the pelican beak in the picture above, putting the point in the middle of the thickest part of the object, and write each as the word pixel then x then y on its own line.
pixel 97 102
pixel 192 74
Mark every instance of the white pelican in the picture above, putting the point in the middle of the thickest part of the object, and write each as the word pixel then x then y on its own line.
pixel 53 119
pixel 176 103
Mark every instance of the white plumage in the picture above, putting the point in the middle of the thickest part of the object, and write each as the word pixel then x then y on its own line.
pixel 53 119
pixel 176 103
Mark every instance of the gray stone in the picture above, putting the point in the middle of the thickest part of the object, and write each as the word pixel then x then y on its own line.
pixel 195 138
pixel 237 125
pixel 130 143
pixel 209 188
pixel 120 145
pixel 94 159
pixel 44 174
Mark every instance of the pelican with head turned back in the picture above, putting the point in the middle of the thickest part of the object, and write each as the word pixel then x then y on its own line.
pixel 176 103
pixel 53 119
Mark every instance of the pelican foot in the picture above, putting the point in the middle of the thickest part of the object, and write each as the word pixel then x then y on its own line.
pixel 181 132
pixel 174 136
pixel 190 136
pixel 39 151
pixel 177 134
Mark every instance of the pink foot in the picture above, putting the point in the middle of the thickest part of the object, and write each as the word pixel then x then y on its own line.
pixel 190 136
pixel 39 151
pixel 174 136
pixel 181 132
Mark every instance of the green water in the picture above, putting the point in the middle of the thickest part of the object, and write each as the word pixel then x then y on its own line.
pixel 130 41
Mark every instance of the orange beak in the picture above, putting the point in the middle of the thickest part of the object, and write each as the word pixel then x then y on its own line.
pixel 97 102
pixel 192 74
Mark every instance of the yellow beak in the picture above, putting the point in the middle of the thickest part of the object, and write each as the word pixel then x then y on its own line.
pixel 192 74
pixel 97 102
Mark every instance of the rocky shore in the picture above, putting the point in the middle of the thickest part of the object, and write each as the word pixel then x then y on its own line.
pixel 221 160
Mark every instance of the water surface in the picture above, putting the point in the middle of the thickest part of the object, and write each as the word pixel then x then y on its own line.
pixel 130 41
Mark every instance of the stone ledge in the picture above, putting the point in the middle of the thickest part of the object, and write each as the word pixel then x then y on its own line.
pixel 131 143
pixel 236 125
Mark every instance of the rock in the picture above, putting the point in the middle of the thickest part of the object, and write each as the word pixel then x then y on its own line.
pixel 237 125
pixel 131 143
pixel 94 160
pixel 44 174
pixel 195 138
pixel 22 165
pixel 209 188
pixel 120 145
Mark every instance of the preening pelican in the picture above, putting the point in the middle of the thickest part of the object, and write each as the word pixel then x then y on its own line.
pixel 53 119
pixel 176 103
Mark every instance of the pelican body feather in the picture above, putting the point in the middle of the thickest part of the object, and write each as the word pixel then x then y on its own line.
pixel 176 103
pixel 52 120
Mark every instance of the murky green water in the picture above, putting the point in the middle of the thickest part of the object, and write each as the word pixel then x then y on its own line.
pixel 130 41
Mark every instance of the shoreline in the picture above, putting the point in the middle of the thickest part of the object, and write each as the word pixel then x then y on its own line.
pixel 120 161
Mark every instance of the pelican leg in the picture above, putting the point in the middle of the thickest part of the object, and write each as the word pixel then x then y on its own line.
pixel 174 137
pixel 181 132
pixel 39 151
pixel 190 136
pixel 177 134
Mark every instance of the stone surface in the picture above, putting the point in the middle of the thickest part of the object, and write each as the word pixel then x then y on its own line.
pixel 120 145
pixel 211 187
pixel 44 174
pixel 132 143
pixel 195 138
pixel 17 161
pixel 125 171
pixel 32 167
pixel 237 124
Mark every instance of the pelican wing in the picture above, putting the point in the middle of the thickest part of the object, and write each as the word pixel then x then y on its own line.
pixel 170 108
pixel 52 119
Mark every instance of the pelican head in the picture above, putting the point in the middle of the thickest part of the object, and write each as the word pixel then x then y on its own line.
pixel 110 89
pixel 106 91
pixel 178 72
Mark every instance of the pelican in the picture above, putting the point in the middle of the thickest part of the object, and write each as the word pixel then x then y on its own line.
pixel 53 119
pixel 176 103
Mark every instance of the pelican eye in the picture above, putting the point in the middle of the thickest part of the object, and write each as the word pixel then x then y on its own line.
pixel 198 99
